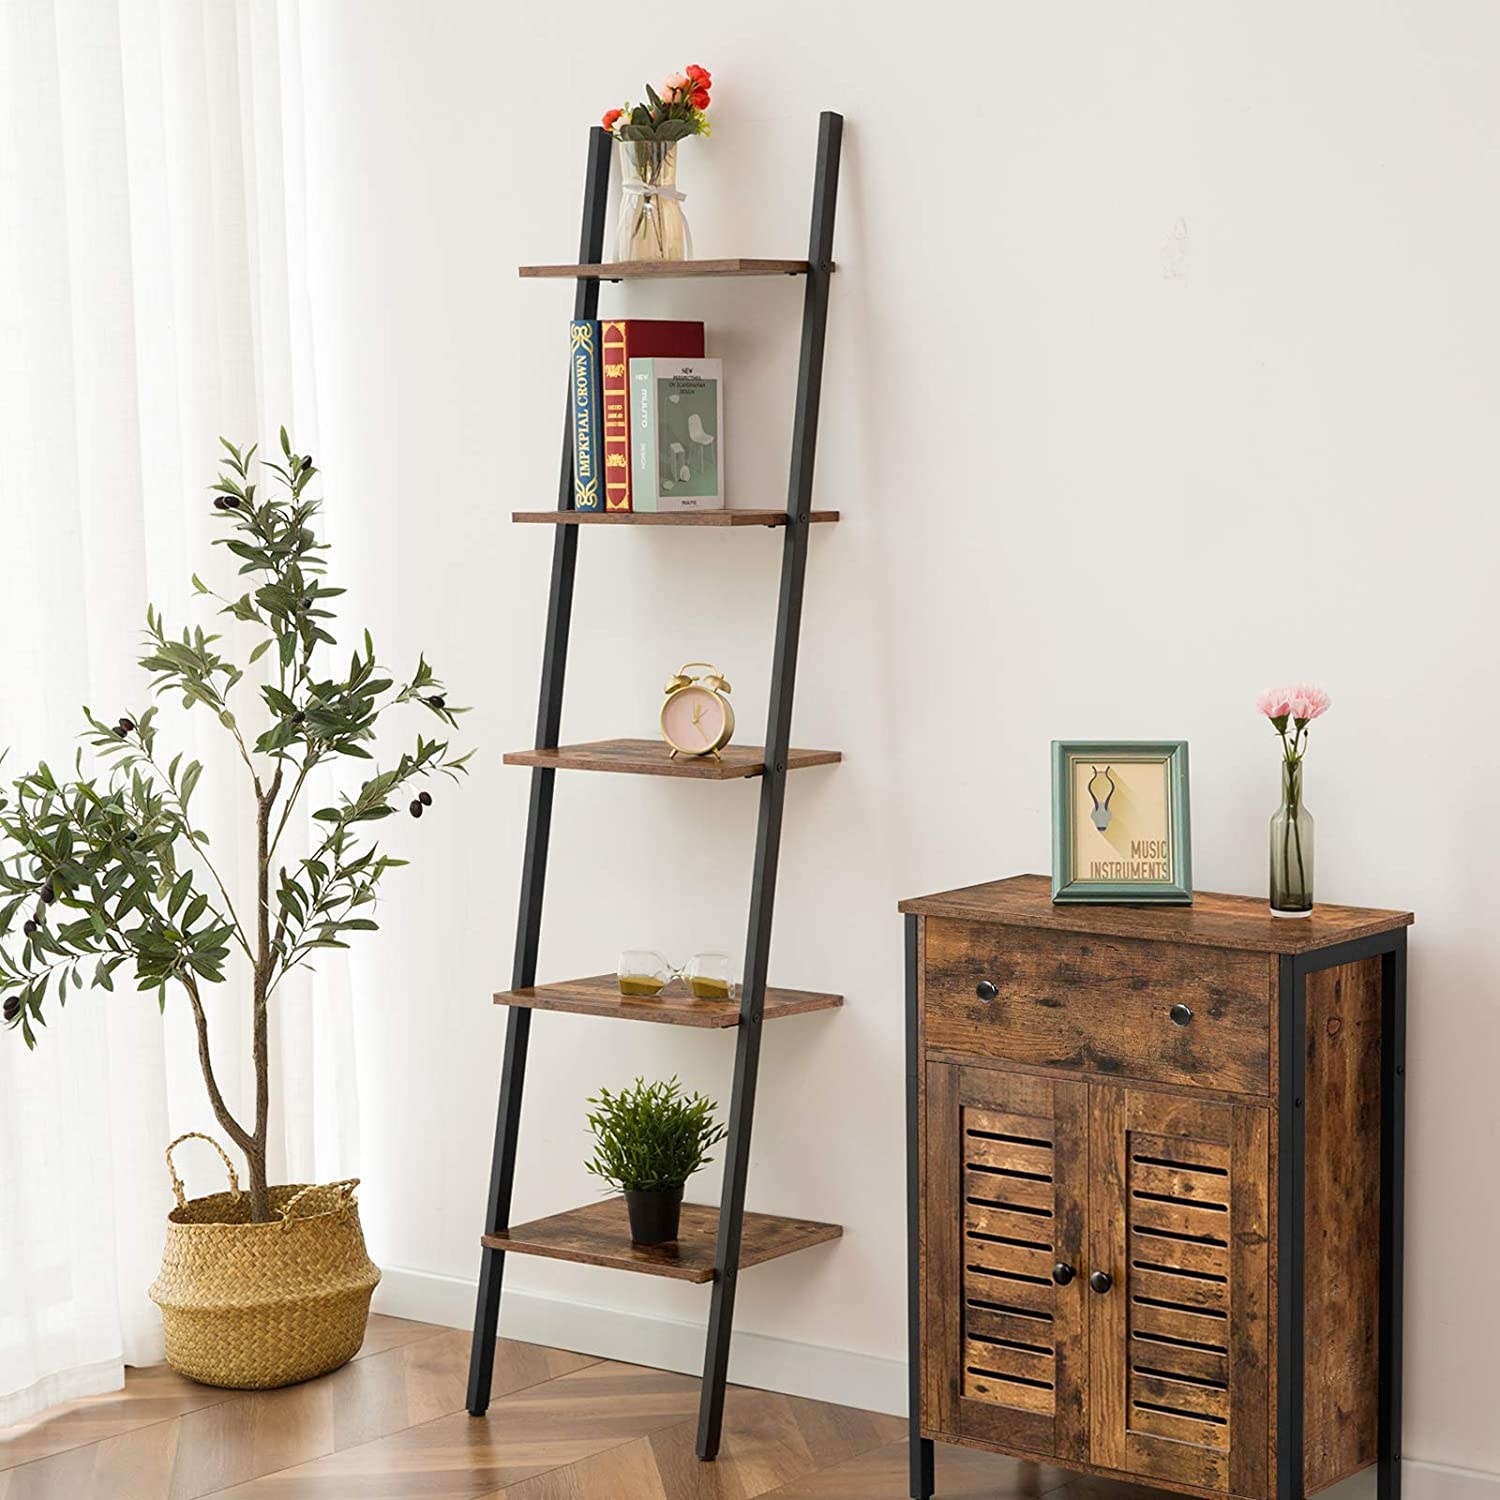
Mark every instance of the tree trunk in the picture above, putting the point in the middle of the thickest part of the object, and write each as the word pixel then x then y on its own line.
pixel 260 1199
pixel 260 1208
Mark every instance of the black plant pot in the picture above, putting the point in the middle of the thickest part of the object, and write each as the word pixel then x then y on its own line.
pixel 655 1214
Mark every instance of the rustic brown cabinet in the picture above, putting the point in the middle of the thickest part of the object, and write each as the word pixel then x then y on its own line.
pixel 1155 1188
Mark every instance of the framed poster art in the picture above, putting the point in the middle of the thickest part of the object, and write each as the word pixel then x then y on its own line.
pixel 1120 822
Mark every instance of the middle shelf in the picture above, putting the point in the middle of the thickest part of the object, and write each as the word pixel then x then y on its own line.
pixel 600 995
pixel 653 758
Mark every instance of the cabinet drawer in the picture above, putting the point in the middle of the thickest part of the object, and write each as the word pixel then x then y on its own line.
pixel 1099 1004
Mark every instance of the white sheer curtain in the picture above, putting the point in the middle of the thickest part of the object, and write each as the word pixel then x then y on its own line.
pixel 152 296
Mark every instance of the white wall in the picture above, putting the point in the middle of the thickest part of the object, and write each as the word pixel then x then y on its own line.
pixel 1098 478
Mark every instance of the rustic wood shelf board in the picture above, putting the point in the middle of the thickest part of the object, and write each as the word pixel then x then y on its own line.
pixel 675 1006
pixel 653 758
pixel 1212 921
pixel 655 270
pixel 599 1235
pixel 662 518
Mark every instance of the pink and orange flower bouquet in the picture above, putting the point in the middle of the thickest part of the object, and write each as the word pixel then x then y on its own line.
pixel 652 226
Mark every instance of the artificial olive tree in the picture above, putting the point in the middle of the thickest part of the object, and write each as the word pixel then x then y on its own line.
pixel 110 869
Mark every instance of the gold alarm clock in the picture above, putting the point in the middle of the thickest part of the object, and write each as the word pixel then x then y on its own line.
pixel 697 719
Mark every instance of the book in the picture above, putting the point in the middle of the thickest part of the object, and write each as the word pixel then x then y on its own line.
pixel 621 340
pixel 585 405
pixel 676 434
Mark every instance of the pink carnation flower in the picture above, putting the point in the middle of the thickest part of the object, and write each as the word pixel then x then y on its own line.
pixel 1308 703
pixel 1274 703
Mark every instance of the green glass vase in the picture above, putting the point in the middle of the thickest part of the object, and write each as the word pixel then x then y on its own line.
pixel 1291 848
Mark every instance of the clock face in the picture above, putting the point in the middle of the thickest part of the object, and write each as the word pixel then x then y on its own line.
pixel 694 720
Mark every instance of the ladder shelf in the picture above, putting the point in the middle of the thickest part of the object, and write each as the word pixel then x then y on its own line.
pixel 715 1243
pixel 600 995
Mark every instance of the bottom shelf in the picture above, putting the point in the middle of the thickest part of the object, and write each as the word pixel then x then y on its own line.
pixel 599 1235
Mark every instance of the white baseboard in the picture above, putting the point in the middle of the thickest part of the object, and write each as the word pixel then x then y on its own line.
pixel 1424 1480
pixel 771 1364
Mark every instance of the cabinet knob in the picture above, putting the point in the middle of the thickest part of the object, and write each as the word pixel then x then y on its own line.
pixel 1063 1273
pixel 1180 1014
pixel 1101 1281
pixel 986 990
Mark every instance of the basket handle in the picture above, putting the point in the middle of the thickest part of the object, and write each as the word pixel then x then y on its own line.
pixel 345 1186
pixel 197 1135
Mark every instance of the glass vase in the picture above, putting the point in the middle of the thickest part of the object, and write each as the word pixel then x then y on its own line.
pixel 1291 848
pixel 652 226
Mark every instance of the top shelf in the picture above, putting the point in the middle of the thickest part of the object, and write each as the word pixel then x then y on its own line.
pixel 648 270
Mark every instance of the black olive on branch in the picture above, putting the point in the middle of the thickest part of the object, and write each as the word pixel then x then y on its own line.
pixel 416 808
pixel 12 1008
pixel 28 927
pixel 425 798
pixel 437 701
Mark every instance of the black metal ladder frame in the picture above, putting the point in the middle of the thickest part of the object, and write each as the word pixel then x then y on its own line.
pixel 768 830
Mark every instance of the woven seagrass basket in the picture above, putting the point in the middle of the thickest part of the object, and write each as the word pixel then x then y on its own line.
pixel 252 1306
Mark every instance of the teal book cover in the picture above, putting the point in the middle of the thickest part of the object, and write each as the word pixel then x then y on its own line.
pixel 677 431
pixel 586 405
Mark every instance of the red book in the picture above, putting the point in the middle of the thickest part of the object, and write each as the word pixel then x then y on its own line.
pixel 623 340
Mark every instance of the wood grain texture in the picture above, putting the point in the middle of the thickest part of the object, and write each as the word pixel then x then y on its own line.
pixel 962 1474
pixel 719 518
pixel 1107 1250
pixel 1212 921
pixel 1250 1289
pixel 625 1434
pixel 667 270
pixel 599 1235
pixel 456 1457
pixel 942 1267
pixel 769 1440
pixel 1007 1187
pixel 675 1006
pixel 154 1395
pixel 1342 1241
pixel 1100 1004
pixel 654 758
pixel 240 1436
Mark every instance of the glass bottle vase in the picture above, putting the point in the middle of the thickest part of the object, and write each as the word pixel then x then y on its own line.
pixel 1291 848
pixel 652 225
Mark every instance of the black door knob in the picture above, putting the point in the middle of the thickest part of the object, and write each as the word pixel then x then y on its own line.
pixel 1063 1273
pixel 1100 1281
pixel 986 990
pixel 1180 1014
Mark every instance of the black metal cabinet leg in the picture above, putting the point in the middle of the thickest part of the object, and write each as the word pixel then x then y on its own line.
pixel 921 1448
pixel 1392 1209
pixel 538 824
pixel 773 787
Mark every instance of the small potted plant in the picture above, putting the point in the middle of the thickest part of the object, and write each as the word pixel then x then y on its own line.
pixel 648 1140
pixel 652 226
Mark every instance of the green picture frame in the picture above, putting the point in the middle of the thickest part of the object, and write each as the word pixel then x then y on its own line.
pixel 1137 848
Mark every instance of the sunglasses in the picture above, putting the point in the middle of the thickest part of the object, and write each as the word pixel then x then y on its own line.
pixel 708 976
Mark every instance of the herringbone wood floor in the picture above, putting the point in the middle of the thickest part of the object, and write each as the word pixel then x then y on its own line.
pixel 561 1427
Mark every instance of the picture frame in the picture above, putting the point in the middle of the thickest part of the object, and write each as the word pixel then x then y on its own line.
pixel 1121 821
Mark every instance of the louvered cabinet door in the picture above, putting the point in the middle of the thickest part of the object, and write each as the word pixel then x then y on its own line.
pixel 1179 1221
pixel 1005 1358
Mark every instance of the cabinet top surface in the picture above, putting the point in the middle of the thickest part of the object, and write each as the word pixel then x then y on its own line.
pixel 1212 921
